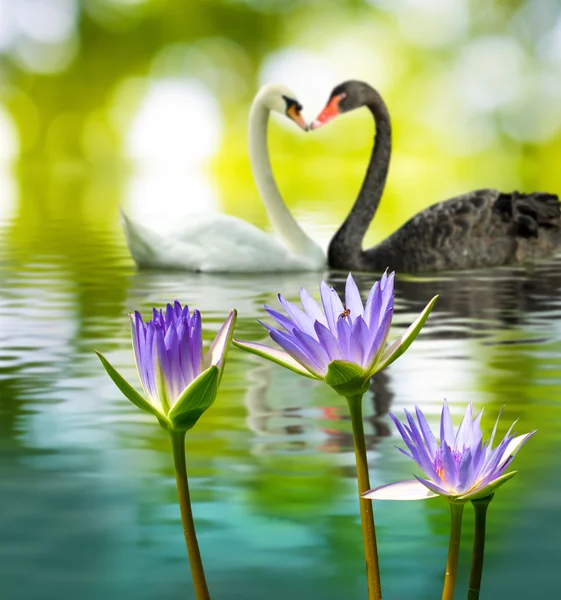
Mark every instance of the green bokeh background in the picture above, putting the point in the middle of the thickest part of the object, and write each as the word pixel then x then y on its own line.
pixel 87 495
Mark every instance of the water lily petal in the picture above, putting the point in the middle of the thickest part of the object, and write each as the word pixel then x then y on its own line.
pixel 461 465
pixel 373 306
pixel 466 473
pixel 328 341
pixel 401 490
pixel 487 490
pixel 428 436
pixel 514 446
pixel 298 351
pixel 219 346
pixel 344 338
pixel 353 300
pixel 274 354
pixel 464 430
pixel 378 343
pixel 360 336
pixel 313 349
pixel 279 318
pixel 184 334
pixel 433 487
pixel 298 316
pixel 422 455
pixel 196 343
pixel 325 292
pixel 446 427
pixel 312 307
pixel 168 352
pixel 492 438
pixel 402 343
pixel 162 373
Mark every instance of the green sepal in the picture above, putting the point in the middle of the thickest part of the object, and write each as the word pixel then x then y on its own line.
pixel 128 390
pixel 397 348
pixel 488 489
pixel 347 378
pixel 195 399
pixel 275 355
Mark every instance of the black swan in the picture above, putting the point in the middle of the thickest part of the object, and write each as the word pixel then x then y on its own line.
pixel 483 228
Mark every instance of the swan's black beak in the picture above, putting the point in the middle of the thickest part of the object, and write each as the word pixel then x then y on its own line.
pixel 293 113
pixel 329 113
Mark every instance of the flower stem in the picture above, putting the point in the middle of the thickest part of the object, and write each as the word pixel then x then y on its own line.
pixel 480 507
pixel 456 512
pixel 366 506
pixel 197 571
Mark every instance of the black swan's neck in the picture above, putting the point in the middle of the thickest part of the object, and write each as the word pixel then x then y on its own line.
pixel 345 249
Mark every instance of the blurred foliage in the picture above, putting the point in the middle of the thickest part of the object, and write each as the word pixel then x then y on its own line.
pixel 473 88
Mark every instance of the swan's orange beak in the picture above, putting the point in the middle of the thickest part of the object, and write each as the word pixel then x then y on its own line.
pixel 330 111
pixel 294 114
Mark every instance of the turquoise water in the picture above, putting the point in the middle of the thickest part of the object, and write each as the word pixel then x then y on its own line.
pixel 87 492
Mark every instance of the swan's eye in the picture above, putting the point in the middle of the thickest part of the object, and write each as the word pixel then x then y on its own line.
pixel 293 109
pixel 290 102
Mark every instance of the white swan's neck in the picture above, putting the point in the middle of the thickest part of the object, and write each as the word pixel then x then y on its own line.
pixel 283 222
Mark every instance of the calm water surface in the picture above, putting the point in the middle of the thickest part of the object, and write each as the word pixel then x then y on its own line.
pixel 87 494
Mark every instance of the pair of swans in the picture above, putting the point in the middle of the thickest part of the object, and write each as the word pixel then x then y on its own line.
pixel 483 228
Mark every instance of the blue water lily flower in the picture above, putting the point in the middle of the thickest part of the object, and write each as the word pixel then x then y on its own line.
pixel 461 467
pixel 345 345
pixel 179 379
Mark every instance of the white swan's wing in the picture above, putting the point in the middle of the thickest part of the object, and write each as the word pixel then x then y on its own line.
pixel 212 243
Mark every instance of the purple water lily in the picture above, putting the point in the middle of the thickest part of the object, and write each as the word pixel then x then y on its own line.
pixel 461 467
pixel 351 337
pixel 180 381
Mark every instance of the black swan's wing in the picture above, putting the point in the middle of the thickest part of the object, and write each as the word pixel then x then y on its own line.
pixel 482 228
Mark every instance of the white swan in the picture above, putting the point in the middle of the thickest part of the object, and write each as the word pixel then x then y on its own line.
pixel 220 243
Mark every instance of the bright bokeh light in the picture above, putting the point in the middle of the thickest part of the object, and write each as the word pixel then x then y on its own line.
pixel 45 58
pixel 8 201
pixel 368 53
pixel 174 131
pixel 429 23
pixel 549 46
pixel 9 146
pixel 163 197
pixel 7 28
pixel 8 152
pixel 178 123
pixel 219 63
pixel 310 76
pixel 49 21
pixel 126 2
pixel 41 35
pixel 490 72
pixel 536 114
pixel 464 129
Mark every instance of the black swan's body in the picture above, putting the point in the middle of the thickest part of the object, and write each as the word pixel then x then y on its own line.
pixel 483 228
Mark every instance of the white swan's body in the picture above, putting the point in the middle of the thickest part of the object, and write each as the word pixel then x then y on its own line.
pixel 220 243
